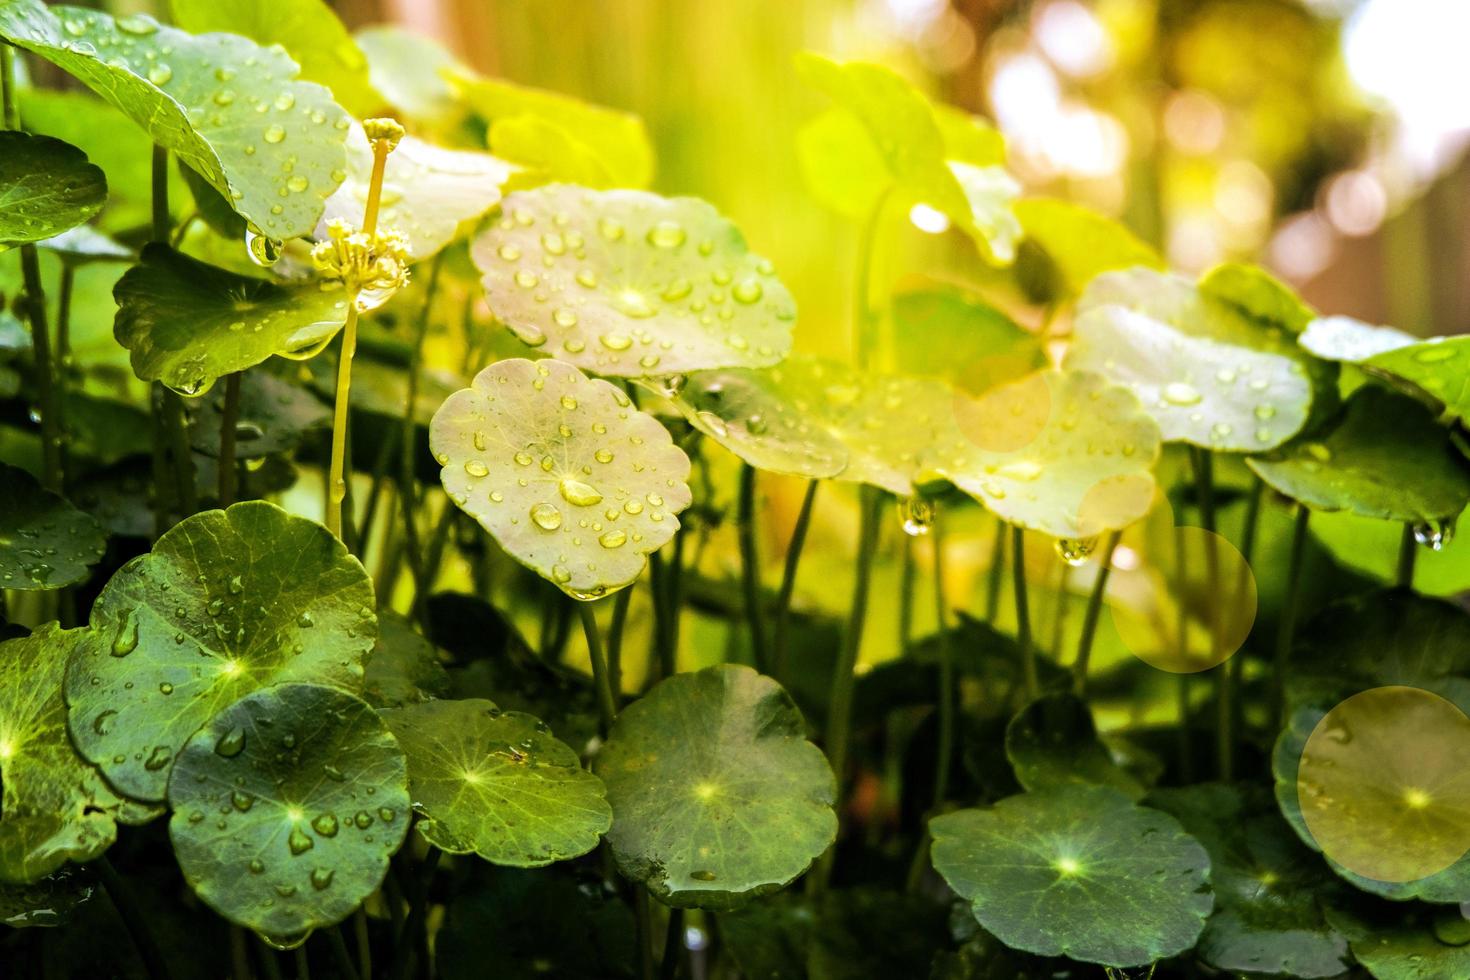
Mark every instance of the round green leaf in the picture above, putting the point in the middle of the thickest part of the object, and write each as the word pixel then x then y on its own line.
pixel 950 333
pixel 56 806
pixel 497 784
pixel 1087 469
pixel 1385 457
pixel 1210 375
pixel 1341 338
pixel 1438 368
pixel 408 69
pixel 570 478
pixel 1267 919
pixel 188 323
pixel 45 542
pixel 1081 243
pixel 717 797
pixel 1258 294
pixel 631 284
pixel 1078 871
pixel 226 603
pixel 1053 742
pixel 287 806
pixel 228 108
pixel 46 188
pixel 1395 942
pixel 402 668
pixel 758 415
pixel 427 190
pixel 309 31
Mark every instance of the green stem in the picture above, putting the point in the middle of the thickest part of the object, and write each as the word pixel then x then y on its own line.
pixel 607 702
pixel 363 941
pixel 615 640
pixel 239 955
pixel 336 480
pixel 182 453
pixel 345 969
pixel 1289 608
pixel 945 753
pixel 643 921
pixel 906 597
pixel 268 960
pixel 750 568
pixel 1023 613
pixel 1408 551
pixel 61 358
pixel 1093 613
pixel 673 946
pixel 30 264
pixel 788 578
pixel 133 918
pixel 864 323
pixel 229 418
pixel 9 113
pixel 161 222
pixel 414 924
pixel 1204 476
pixel 658 597
pixel 839 712
pixel 996 573
pixel 303 965
pixel 1249 525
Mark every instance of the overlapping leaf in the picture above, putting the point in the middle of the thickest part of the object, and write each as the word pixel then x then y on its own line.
pixel 226 603
pixel 228 108
pixel 1053 742
pixel 188 323
pixel 570 478
pixel 1078 871
pixel 1341 338
pixel 1438 369
pixel 631 284
pixel 1081 243
pixel 45 542
pixel 497 784
pixel 46 187
pixel 287 805
pixel 717 797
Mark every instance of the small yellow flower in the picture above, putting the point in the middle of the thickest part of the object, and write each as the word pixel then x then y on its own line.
pixel 383 133
pixel 364 263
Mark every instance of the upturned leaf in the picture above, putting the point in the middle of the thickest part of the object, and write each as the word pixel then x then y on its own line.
pixel 46 187
pixel 1081 243
pixel 497 784
pixel 188 323
pixel 287 805
pixel 717 796
pixel 1258 294
pixel 227 602
pixel 1341 338
pixel 1438 369
pixel 572 480
pixel 1385 457
pixel 1078 871
pixel 1052 742
pixel 56 806
pixel 1209 374
pixel 428 191
pixel 45 542
pixel 309 31
pixel 232 110
pixel 630 284
pixel 947 332
pixel 409 69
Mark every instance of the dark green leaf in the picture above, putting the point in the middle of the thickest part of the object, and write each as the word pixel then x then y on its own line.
pixel 45 542
pixel 1053 743
pixel 403 667
pixel 46 188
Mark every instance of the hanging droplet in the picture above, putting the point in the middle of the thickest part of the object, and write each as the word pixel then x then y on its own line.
pixel 126 640
pixel 1075 551
pixel 263 250
pixel 1433 534
pixel 917 515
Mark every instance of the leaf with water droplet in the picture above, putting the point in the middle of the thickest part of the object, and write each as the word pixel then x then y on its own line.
pixel 47 902
pixel 45 542
pixel 883 136
pixel 1062 452
pixel 630 284
pixel 1053 742
pixel 497 784
pixel 403 667
pixel 48 187
pixel 188 323
pixel 1341 338
pixel 1401 940
pixel 286 565
pixel 309 31
pixel 1080 244
pixel 56 806
pixel 326 867
pixel 1078 871
pixel 1209 373
pixel 555 136
pixel 275 415
pixel 1435 370
pixel 717 796
pixel 1267 919
pixel 428 191
pixel 225 142
pixel 547 496
pixel 1384 456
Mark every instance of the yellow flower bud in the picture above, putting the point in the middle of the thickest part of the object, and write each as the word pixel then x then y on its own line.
pixel 383 133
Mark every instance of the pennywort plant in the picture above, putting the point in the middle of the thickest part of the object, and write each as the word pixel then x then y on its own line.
pixel 552 687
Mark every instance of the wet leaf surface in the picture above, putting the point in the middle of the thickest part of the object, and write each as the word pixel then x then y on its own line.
pixel 45 542
pixel 46 187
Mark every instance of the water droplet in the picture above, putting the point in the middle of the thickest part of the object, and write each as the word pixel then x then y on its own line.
pixel 703 875
pixel 666 234
pixel 299 842
pixel 160 74
pixel 126 640
pixel 546 516
pixel 262 250
pixel 1181 394
pixel 747 291
pixel 321 878
pixel 160 757
pixel 274 134
pixel 476 468
pixel 231 743
pixel 616 341
pixel 633 303
pixel 241 801
pixel 578 493
pixel 1075 551
pixel 1433 535
pixel 917 515
pixel 1434 354
pixel 603 456
pixel 569 403
pixel 613 539
pixel 610 228
pixel 326 825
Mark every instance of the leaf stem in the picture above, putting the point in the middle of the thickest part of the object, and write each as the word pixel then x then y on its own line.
pixel 788 578
pixel 607 702
pixel 643 921
pixel 345 969
pixel 864 323
pixel 9 112
pixel 161 222
pixel 906 597
pixel 1204 477
pixel 1023 612
pixel 945 755
pixel 1408 551
pixel 30 264
pixel 615 640
pixel 996 573
pixel 1290 606
pixel 839 711
pixel 182 453
pixel 229 418
pixel 668 966
pixel 137 924
pixel 750 568
pixel 1249 525
pixel 1093 613
pixel 414 924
